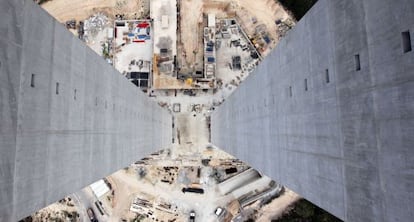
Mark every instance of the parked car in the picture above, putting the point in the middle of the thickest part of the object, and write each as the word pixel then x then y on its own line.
pixel 192 216
pixel 219 211
pixel 91 215
pixel 193 190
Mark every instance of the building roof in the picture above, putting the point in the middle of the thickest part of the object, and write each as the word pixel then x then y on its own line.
pixel 99 188
pixel 211 20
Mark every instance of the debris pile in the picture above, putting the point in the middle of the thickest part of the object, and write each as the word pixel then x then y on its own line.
pixel 71 24
pixel 94 24
pixel 284 26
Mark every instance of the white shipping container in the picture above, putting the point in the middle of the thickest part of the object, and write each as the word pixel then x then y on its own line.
pixel 164 21
pixel 110 33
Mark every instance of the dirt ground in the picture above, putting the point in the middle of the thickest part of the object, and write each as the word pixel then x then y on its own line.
pixel 190 52
pixel 191 127
pixel 64 10
pixel 191 15
pixel 57 212
pixel 264 11
pixel 278 206
pixel 123 199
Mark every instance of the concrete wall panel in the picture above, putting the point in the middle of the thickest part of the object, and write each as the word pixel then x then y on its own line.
pixel 344 145
pixel 56 142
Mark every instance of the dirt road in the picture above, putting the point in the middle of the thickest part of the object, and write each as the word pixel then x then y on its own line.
pixel 191 15
pixel 64 10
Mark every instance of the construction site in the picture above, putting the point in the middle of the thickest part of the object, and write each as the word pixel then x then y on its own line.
pixel 133 50
pixel 206 110
pixel 182 40
pixel 165 187
pixel 189 56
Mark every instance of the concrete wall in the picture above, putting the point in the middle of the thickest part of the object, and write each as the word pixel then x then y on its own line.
pixel 346 145
pixel 54 144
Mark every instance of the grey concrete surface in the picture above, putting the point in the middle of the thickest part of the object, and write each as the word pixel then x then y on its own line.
pixel 54 144
pixel 346 145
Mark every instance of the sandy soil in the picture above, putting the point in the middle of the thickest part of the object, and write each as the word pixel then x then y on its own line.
pixel 278 206
pixel 122 200
pixel 64 10
pixel 55 212
pixel 191 15
pixel 265 11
